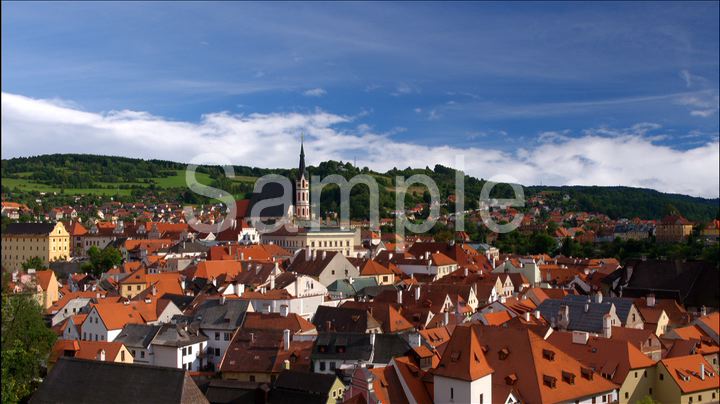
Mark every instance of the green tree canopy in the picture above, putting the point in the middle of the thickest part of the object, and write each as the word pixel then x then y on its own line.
pixel 26 344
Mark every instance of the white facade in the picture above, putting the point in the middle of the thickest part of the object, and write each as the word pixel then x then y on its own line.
pixel 447 390
pixel 302 306
pixel 217 343
pixel 71 308
pixel 93 328
pixel 185 357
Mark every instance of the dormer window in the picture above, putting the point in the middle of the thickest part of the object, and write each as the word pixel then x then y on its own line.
pixel 568 377
pixel 549 381
pixel 548 354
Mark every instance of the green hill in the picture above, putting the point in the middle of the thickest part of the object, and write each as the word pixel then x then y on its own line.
pixel 126 178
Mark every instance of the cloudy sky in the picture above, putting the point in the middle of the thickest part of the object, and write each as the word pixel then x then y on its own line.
pixel 604 94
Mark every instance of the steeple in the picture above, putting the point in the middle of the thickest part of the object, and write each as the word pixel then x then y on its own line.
pixel 302 171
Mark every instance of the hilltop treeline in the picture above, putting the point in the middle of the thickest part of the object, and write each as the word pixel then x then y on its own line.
pixel 142 176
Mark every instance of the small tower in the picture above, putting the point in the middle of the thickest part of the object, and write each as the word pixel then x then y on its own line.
pixel 302 188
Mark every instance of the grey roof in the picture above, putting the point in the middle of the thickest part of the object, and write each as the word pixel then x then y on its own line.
pixel 341 319
pixel 181 301
pixel 358 347
pixel 347 289
pixel 622 305
pixel 178 335
pixel 188 247
pixel 74 380
pixel 214 315
pixel 388 346
pixel 137 335
pixel 29 228
pixel 590 321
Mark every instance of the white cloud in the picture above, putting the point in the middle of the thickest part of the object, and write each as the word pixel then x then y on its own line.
pixel 603 156
pixel 315 92
pixel 703 105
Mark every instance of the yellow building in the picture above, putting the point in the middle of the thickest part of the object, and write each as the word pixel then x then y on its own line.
pixel 673 229
pixel 685 380
pixel 22 241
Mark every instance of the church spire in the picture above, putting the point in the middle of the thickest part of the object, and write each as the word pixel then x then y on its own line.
pixel 302 170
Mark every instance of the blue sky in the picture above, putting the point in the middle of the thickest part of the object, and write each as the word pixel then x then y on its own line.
pixel 501 81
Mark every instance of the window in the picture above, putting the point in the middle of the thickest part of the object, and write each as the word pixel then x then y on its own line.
pixel 217 336
pixel 481 398
pixel 227 336
pixel 217 351
pixel 452 393
pixel 122 356
pixel 662 376
pixel 332 365
pixel 650 391
pixel 190 350
pixel 142 354
pixel 184 351
pixel 252 378
pixel 636 375
pixel 645 374
pixel 627 395
pixel 322 366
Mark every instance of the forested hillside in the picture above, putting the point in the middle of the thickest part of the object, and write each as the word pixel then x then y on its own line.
pixel 126 178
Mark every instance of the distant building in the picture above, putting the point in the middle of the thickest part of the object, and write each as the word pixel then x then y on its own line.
pixel 673 229
pixel 22 241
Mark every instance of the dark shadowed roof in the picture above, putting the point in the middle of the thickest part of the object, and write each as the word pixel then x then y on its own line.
pixel 214 314
pixel 87 381
pixel 29 228
pixel 314 383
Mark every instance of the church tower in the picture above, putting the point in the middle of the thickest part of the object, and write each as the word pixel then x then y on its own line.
pixel 302 188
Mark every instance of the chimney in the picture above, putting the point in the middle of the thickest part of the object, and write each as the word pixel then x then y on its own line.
pixel 598 297
pixel 417 293
pixel 607 326
pixel 284 310
pixel 446 319
pixel 702 371
pixel 239 289
pixel 372 340
pixel 399 296
pixel 101 355
pixel 427 255
pixel 703 311
pixel 307 253
pixel 527 316
pixel 242 256
pixel 580 337
pixel 651 300
pixel 286 340
pixel 587 307
pixel 537 314
pixel 324 254
pixel 564 317
pixel 154 290
pixel 272 281
pixel 415 340
pixel 465 272
pixel 286 364
pixel 222 299
pixel 390 255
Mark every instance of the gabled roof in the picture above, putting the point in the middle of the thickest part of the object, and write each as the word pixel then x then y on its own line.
pixel 314 383
pixel 138 383
pixel 463 357
pixel 116 315
pixel 612 358
pixel 537 370
pixel 685 371
pixel 257 351
pixel 275 321
pixel 137 335
pixel 313 267
pixel 213 314
pixel 85 349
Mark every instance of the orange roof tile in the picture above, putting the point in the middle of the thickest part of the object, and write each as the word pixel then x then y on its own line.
pixel 463 357
pixel 685 370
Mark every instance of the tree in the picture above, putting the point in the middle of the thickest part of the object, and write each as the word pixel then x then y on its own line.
pixel 541 243
pixel 34 263
pixel 101 260
pixel 26 344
